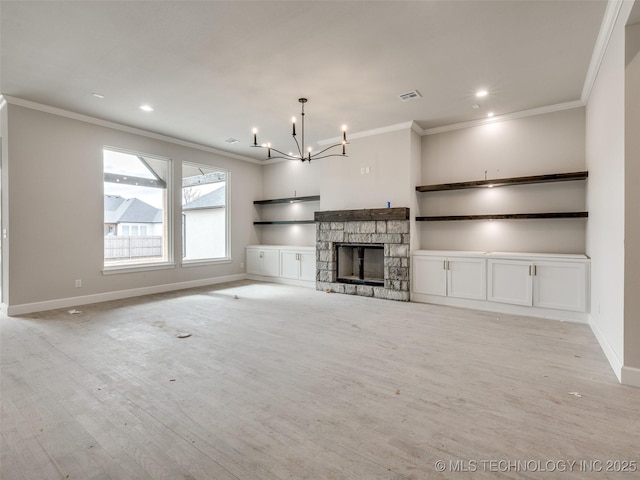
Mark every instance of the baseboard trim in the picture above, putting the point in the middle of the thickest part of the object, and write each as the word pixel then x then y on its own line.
pixel 25 308
pixel 486 306
pixel 609 352
pixel 630 376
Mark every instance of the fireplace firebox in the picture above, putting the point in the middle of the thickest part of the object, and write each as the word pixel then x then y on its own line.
pixel 360 264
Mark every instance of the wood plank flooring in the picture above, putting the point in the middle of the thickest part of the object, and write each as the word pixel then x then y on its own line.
pixel 290 383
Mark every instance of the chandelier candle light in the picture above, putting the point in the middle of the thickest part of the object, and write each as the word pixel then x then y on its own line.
pixel 301 147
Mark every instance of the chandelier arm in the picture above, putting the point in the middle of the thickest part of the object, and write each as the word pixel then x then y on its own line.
pixel 298 145
pixel 329 148
pixel 327 156
pixel 285 155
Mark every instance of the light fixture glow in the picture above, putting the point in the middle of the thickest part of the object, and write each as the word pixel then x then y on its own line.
pixel 146 108
pixel 482 93
pixel 490 114
pixel 98 95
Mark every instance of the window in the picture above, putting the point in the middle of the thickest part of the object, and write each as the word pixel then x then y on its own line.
pixel 136 206
pixel 204 212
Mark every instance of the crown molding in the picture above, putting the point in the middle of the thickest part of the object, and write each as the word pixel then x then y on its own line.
pixel 602 42
pixel 413 125
pixel 509 116
pixel 376 131
pixel 123 128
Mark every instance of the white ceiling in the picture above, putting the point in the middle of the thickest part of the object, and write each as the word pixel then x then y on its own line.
pixel 214 69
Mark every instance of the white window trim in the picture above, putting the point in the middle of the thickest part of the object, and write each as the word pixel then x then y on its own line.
pixel 138 268
pixel 205 262
pixel 169 262
pixel 227 234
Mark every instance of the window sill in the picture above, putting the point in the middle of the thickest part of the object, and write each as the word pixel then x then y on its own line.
pixel 138 268
pixel 205 262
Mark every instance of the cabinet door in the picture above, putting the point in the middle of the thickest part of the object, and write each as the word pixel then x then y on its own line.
pixel 560 285
pixel 271 263
pixel 429 275
pixel 510 281
pixel 254 261
pixel 289 264
pixel 308 266
pixel 466 278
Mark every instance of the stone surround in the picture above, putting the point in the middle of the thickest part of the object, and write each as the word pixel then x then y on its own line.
pixel 388 226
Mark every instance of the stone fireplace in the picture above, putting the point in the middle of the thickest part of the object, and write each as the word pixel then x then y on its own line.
pixel 364 252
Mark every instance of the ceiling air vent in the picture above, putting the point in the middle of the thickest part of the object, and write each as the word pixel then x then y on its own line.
pixel 413 95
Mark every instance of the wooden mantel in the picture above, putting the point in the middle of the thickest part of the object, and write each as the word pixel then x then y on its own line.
pixel 380 214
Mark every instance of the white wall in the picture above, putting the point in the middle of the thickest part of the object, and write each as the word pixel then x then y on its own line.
pixel 56 208
pixel 606 200
pixel 632 201
pixel 283 180
pixel 4 244
pixel 536 145
pixel 345 183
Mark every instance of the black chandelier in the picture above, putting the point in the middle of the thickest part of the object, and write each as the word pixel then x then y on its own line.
pixel 302 156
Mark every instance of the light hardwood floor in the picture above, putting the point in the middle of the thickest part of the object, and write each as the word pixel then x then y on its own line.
pixel 290 383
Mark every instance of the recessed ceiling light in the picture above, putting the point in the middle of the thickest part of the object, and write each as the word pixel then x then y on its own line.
pixel 146 108
pixel 490 114
pixel 98 95
pixel 475 106
pixel 232 140
pixel 482 93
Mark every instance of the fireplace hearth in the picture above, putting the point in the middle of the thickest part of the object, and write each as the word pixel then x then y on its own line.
pixel 364 252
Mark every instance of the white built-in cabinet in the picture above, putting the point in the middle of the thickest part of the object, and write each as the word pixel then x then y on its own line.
pixel 287 264
pixel 539 282
pixel 450 276
pixel 526 283
pixel 297 264
pixel 263 261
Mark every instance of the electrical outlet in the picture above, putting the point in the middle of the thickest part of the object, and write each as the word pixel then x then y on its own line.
pixel 78 283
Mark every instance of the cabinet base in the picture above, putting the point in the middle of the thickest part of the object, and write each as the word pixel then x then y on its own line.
pixel 562 315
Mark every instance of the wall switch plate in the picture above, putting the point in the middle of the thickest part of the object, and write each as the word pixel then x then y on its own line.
pixel 78 283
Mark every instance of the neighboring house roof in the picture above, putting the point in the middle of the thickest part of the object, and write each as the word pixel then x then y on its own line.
pixel 129 210
pixel 215 199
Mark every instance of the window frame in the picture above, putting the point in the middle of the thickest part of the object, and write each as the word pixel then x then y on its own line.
pixel 168 221
pixel 227 220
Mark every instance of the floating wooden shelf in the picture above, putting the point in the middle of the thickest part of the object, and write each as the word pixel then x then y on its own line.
pixel 286 222
pixel 554 177
pixel 273 201
pixel 504 216
pixel 397 213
